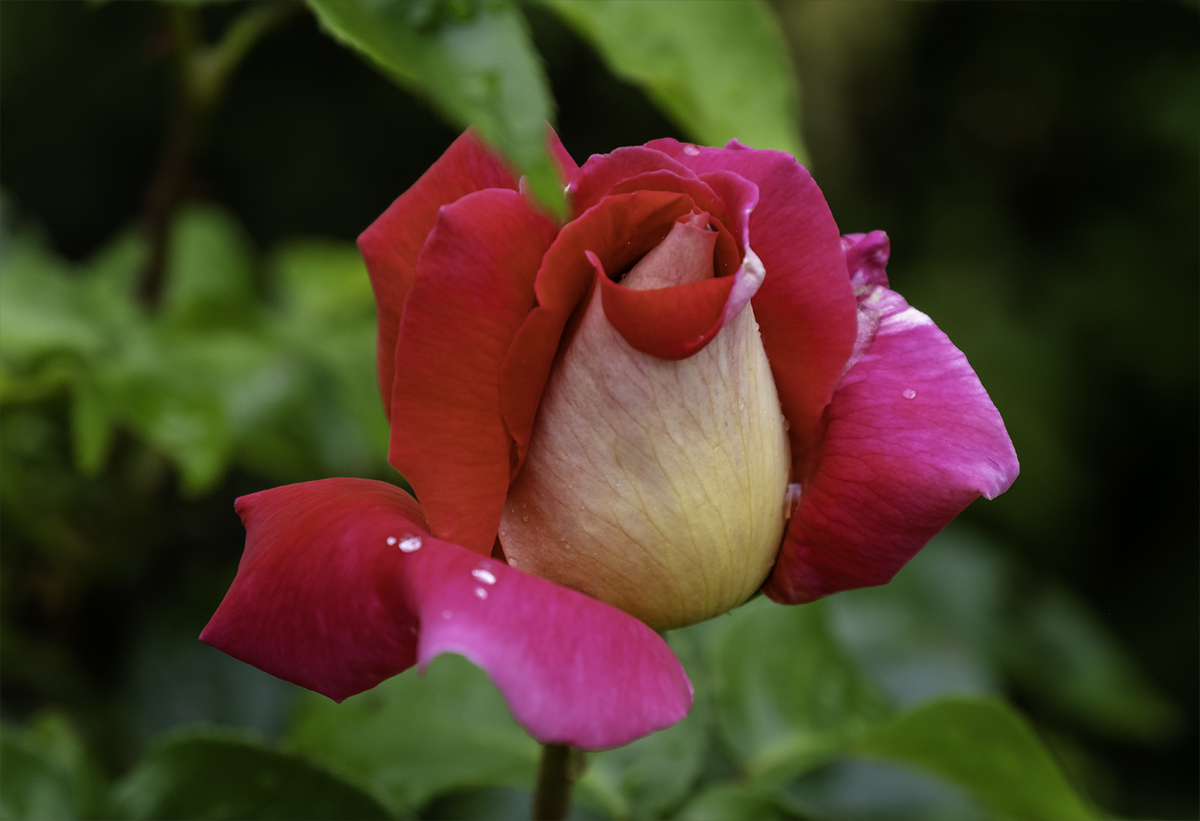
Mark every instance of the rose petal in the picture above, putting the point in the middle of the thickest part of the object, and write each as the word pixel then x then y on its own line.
pixel 573 670
pixel 602 171
pixel 341 587
pixel 619 230
pixel 805 307
pixel 866 260
pixel 316 599
pixel 739 196
pixel 670 305
pixel 392 243
pixel 724 195
pixel 564 164
pixel 912 439
pixel 473 290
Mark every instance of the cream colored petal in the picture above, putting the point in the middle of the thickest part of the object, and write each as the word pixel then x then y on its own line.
pixel 656 486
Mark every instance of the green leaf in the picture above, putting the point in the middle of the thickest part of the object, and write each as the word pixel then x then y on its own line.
pixel 332 421
pixel 985 747
pixel 473 61
pixel 652 775
pixel 787 697
pixel 47 772
pixel 492 803
pixel 413 737
pixel 43 308
pixel 209 280
pixel 720 69
pixel 1066 654
pixel 179 393
pixel 324 283
pixel 91 427
pixel 222 775
pixel 655 774
pixel 735 802
pixel 961 617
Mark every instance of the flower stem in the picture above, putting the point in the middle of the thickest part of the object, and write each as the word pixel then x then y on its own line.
pixel 560 766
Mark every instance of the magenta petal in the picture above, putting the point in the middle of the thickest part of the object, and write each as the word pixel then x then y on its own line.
pixel 564 164
pixel 573 670
pixel 866 259
pixel 912 439
pixel 805 307
pixel 341 586
pixel 603 171
pixel 317 597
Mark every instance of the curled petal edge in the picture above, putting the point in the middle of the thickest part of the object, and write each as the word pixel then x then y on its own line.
pixel 341 586
pixel 911 439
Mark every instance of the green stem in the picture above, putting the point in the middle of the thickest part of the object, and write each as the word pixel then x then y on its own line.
pixel 561 765
pixel 203 72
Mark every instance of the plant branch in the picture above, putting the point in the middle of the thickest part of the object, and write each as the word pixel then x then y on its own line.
pixel 202 73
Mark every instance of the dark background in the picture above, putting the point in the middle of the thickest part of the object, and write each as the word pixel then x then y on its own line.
pixel 1036 166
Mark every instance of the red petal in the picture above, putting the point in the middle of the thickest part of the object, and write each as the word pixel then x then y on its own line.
pixel 473 290
pixel 726 196
pixel 603 171
pixel 563 163
pixel 912 439
pixel 317 598
pixel 669 323
pixel 618 231
pixel 341 587
pixel 392 243
pixel 805 307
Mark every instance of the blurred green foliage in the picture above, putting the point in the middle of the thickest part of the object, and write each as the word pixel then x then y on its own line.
pixel 1036 169
pixel 217 375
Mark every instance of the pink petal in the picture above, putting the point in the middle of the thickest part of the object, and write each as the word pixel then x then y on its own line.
pixel 602 171
pixel 341 587
pixel 391 244
pixel 912 439
pixel 573 670
pixel 563 162
pixel 473 290
pixel 805 307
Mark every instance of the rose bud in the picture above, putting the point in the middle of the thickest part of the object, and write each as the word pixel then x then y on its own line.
pixel 691 390
pixel 655 485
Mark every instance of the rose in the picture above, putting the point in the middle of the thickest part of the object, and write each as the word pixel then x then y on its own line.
pixel 692 389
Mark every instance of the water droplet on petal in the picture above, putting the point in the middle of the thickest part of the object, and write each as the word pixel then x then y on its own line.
pixel 524 518
pixel 410 543
pixel 513 563
pixel 691 150
pixel 391 540
pixel 480 592
pixel 484 576
pixel 909 393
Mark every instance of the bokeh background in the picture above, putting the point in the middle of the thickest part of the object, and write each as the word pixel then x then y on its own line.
pixel 1036 166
